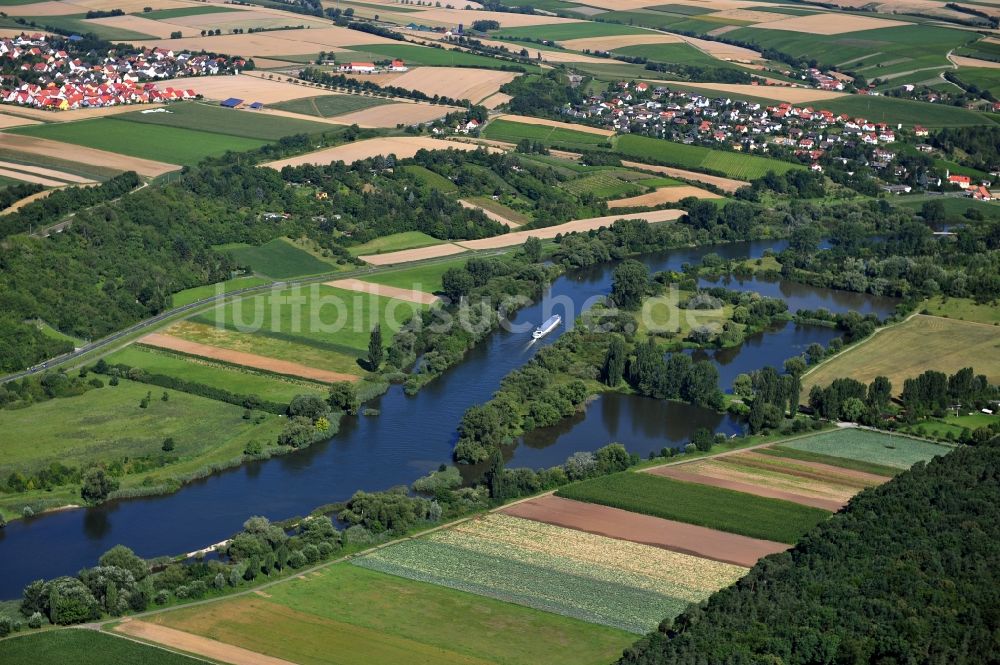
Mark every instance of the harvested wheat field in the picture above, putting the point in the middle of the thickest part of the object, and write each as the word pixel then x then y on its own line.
pixel 35 116
pixel 390 115
pixel 743 15
pixel 246 87
pixel 15 121
pixel 963 61
pixel 780 92
pixel 724 51
pixel 276 42
pixel 202 646
pixel 255 18
pixel 455 82
pixel 662 195
pixel 725 184
pixel 528 120
pixel 401 146
pixel 31 178
pixel 46 172
pixel 410 295
pixel 644 529
pixel 76 153
pixel 146 26
pixel 489 213
pixel 453 17
pixel 618 41
pixel 418 254
pixel 829 24
pixel 288 368
pixel 518 237
pixel 495 100
pixel 45 9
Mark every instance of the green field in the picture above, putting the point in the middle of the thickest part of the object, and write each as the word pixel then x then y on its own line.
pixel 963 309
pixel 238 380
pixel 413 54
pixel 197 293
pixel 278 258
pixel 70 24
pixel 353 616
pixel 85 647
pixel 161 143
pixel 564 31
pixel 908 112
pixel 952 425
pixel 394 242
pixel 229 122
pixel 884 449
pixel 324 317
pixel 327 106
pixel 424 277
pixel 954 206
pixel 430 178
pixel 731 164
pixel 507 130
pixel 984 78
pixel 712 507
pixel 603 185
pixel 165 14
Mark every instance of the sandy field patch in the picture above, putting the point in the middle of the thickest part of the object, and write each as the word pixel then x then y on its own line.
pixel 637 528
pixel 617 41
pixel 586 129
pixel 15 121
pixel 724 51
pixel 963 61
pixel 725 184
pixel 277 42
pixel 407 255
pixel 76 153
pixel 723 30
pixel 495 100
pixel 30 178
pixel 518 237
pixel 401 146
pixel 829 24
pixel 409 295
pixel 508 20
pixel 146 26
pixel 489 213
pixel 389 115
pixel 662 195
pixel 378 79
pixel 779 92
pixel 164 341
pixel 685 473
pixel 248 87
pixel 76 114
pixel 48 173
pixel 455 82
pixel 203 646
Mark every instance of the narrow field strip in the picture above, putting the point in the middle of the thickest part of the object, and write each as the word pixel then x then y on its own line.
pixel 755 488
pixel 725 184
pixel 42 171
pixel 646 530
pixel 203 646
pixel 410 295
pixel 418 254
pixel 663 195
pixel 807 469
pixel 528 120
pixel 28 177
pixel 164 341
pixel 489 213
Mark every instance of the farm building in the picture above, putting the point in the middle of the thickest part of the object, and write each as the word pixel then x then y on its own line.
pixel 358 67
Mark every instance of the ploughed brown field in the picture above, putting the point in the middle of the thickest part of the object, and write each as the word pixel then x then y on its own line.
pixel 655 531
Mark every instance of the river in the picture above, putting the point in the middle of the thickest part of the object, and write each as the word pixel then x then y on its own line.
pixel 412 436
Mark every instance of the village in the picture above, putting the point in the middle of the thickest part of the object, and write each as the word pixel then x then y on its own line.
pixel 52 74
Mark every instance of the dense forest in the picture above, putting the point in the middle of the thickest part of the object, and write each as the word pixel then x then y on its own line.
pixel 980 145
pixel 907 573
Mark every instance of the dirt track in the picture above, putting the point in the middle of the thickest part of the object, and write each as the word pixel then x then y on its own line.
pixel 407 255
pixel 625 525
pixel 164 341
pixel 203 646
pixel 662 195
pixel 76 153
pixel 410 295
pixel 518 237
pixel 725 184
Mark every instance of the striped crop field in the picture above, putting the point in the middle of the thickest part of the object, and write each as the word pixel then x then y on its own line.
pixel 602 580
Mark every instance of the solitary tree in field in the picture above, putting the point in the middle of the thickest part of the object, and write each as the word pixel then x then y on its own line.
pixel 375 350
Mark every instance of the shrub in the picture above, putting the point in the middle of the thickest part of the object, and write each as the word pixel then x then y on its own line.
pixel 161 597
pixel 296 560
pixel 35 620
pixel 6 626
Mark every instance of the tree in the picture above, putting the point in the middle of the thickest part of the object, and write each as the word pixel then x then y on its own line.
pixel 344 398
pixel 120 556
pixel 533 249
pixel 614 362
pixel 494 475
pixel 375 349
pixel 168 444
pixel 879 392
pixel 456 283
pixel 629 283
pixel 308 406
pixel 703 439
pixel 743 386
pixel 97 485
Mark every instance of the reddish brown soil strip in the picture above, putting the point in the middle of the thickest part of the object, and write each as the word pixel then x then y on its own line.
pixel 654 531
pixel 677 473
pixel 409 295
pixel 286 367
pixel 407 255
pixel 202 646
pixel 862 476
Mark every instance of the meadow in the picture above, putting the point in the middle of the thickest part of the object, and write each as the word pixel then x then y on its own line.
pixel 196 293
pixel 162 143
pixel 985 78
pixel 394 242
pixel 365 617
pixel 327 106
pixel 899 452
pixel 963 309
pixel 908 349
pixel 712 507
pixel 731 164
pixel 955 206
pixel 430 179
pixel 278 258
pixel 85 647
pixel 592 578
pixel 415 55
pixel 506 130
pixel 908 112
pixel 76 24
pixel 564 31
pixel 270 387
pixel 227 122
pixel 681 52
